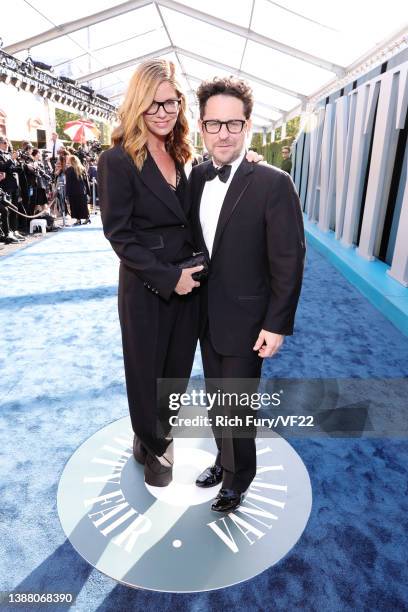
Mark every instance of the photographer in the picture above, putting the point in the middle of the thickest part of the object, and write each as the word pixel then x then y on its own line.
pixel 27 164
pixel 82 153
pixel 46 162
pixel 10 184
pixel 94 148
pixel 42 181
pixel 23 157
pixel 88 151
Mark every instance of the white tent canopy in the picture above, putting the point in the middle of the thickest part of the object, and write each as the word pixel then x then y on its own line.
pixel 288 50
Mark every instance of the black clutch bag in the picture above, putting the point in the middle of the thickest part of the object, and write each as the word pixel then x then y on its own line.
pixel 196 259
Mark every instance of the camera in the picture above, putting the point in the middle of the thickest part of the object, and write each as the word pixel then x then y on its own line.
pixel 23 156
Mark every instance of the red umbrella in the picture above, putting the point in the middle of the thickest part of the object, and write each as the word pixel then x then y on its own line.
pixel 81 130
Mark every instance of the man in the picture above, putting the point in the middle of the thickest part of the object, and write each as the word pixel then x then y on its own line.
pixel 55 145
pixel 248 220
pixel 25 188
pixel 286 164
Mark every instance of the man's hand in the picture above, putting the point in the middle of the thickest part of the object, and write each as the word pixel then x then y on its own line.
pixel 268 343
pixel 186 283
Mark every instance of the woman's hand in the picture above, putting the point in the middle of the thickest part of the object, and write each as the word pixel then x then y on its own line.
pixel 186 282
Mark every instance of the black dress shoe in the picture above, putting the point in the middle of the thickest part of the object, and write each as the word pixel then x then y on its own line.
pixel 227 500
pixel 139 451
pixel 158 471
pixel 210 477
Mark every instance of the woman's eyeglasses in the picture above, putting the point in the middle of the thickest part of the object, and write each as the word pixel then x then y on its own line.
pixel 170 106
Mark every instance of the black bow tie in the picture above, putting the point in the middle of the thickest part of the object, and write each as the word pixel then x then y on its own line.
pixel 223 172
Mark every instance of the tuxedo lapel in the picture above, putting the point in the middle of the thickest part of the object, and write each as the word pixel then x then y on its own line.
pixel 236 190
pixel 155 181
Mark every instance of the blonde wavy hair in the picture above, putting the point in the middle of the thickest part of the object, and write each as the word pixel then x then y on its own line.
pixel 77 166
pixel 132 131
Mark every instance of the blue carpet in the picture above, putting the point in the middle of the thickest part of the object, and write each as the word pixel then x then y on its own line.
pixel 62 380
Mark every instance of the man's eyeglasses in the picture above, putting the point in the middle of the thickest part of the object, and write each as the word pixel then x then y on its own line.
pixel 234 126
pixel 170 106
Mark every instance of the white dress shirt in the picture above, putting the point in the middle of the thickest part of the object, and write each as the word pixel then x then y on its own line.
pixel 212 199
pixel 58 145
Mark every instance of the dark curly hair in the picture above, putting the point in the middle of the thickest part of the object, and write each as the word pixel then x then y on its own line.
pixel 228 86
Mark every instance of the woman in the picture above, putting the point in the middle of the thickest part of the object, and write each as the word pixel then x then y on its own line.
pixel 144 210
pixel 77 190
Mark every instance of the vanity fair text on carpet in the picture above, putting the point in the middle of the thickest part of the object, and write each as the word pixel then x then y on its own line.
pixel 115 518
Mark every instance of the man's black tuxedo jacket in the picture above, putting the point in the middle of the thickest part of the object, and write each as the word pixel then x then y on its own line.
pixel 10 168
pixel 257 258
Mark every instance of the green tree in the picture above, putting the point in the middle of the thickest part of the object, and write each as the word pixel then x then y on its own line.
pixel 292 127
pixel 104 132
pixel 272 151
pixel 256 142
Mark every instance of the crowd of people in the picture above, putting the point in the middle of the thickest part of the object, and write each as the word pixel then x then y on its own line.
pixel 46 184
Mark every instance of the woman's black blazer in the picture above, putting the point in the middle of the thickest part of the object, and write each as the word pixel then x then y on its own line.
pixel 143 219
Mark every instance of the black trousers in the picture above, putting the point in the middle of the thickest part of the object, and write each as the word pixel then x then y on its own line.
pixel 13 216
pixel 4 217
pixel 236 444
pixel 159 339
